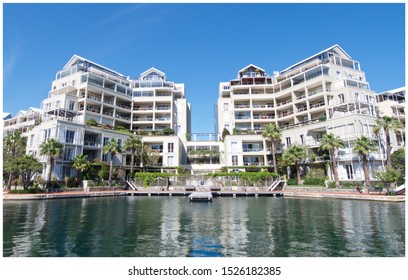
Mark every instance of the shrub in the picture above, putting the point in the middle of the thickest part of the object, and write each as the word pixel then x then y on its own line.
pixel 180 170
pixel 314 181
pixel 121 128
pixel 292 182
pixel 29 190
pixel 92 122
pixel 316 173
pixel 149 177
pixel 168 131
pixel 224 169
pixel 347 185
pixel 378 185
pixel 331 184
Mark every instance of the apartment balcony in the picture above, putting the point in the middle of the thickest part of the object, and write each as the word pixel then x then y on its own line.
pixel 143 119
pixel 126 107
pixel 285 114
pixel 315 91
pixel 285 102
pixel 143 94
pixel 263 117
pixel 313 143
pixel 90 109
pixel 262 106
pixel 92 144
pixel 95 79
pixel 94 98
pixel 163 94
pixel 156 150
pixel 143 108
pixel 253 160
pixel 163 108
pixel 109 102
pixel 252 148
pixel 302 109
pixel 163 119
pixel 242 117
pixel 64 90
pixel 241 106
pixel 110 114
pixel 354 156
pixel 301 97
pixel 126 118
pixel 317 105
pixel 300 124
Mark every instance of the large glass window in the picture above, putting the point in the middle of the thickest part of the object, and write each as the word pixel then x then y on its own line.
pixel 341 98
pixel 349 169
pixel 170 161
pixel 234 160
pixel 47 134
pixel 68 154
pixel 234 146
pixel 170 147
pixel 69 136
pixel 71 105
pixel 288 141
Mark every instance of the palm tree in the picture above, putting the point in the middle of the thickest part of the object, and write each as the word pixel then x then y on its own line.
pixel 53 149
pixel 295 155
pixel 363 146
pixel 134 144
pixel 112 148
pixel 273 133
pixel 13 144
pixel 80 163
pixel 387 124
pixel 332 143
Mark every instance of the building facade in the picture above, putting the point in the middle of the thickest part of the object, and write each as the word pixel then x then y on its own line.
pixel 392 103
pixel 88 104
pixel 324 93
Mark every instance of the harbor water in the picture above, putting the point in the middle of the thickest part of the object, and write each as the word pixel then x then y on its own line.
pixel 132 226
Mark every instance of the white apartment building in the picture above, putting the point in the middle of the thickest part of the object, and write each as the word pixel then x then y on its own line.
pixel 84 90
pixel 324 93
pixel 392 103
pixel 24 120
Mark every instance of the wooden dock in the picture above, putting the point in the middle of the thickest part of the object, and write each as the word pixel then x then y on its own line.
pixel 200 196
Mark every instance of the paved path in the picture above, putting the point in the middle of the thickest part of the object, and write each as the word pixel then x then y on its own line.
pixel 286 193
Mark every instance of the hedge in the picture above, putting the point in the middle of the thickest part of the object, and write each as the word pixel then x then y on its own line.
pixel 314 181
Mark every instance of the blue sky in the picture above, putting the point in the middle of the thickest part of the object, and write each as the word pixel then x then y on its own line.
pixel 199 45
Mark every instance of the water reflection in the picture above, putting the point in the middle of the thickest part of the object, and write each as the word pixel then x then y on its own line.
pixel 227 227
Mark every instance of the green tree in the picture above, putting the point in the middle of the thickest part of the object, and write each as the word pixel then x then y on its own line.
pixel 134 145
pixel 81 164
pixel 53 149
pixel 398 163
pixel 364 146
pixel 14 145
pixel 295 155
pixel 387 124
pixel 390 176
pixel 151 157
pixel 27 166
pixel 332 143
pixel 112 148
pixel 274 134
pixel 225 132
